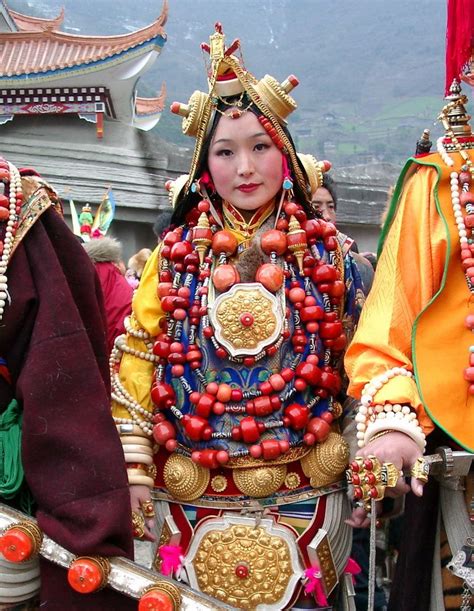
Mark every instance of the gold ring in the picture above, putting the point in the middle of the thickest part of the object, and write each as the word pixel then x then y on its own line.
pixel 420 470
pixel 390 474
pixel 148 509
pixel 138 524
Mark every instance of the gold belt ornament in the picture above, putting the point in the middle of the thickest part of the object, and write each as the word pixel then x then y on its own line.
pixel 326 461
pixel 245 564
pixel 260 481
pixel 185 480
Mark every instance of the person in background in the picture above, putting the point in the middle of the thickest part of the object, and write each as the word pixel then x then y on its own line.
pixel 64 460
pixel 136 265
pixel 324 199
pixel 411 362
pixel 106 254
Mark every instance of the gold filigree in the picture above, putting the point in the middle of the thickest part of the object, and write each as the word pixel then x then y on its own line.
pixel 266 560
pixel 184 479
pixel 219 483
pixel 229 315
pixel 292 480
pixel 260 482
pixel 325 463
pixel 246 319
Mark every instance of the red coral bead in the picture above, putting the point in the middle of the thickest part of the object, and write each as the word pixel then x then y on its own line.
pixel 163 431
pixel 16 545
pixel 224 242
pixel 319 428
pixel 309 372
pixel 274 241
pixel 162 395
pixel 270 449
pixel 179 250
pixel 249 430
pixel 270 276
pixel 85 575
pixel 297 295
pixel 156 600
pixel 225 276
pixel 298 415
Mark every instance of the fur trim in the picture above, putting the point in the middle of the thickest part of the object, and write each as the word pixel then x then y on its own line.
pixel 104 250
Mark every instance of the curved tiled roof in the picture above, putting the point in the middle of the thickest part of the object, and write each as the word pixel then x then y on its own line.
pixel 26 23
pixel 151 106
pixel 39 51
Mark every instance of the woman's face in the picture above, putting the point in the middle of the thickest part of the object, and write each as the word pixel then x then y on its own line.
pixel 245 165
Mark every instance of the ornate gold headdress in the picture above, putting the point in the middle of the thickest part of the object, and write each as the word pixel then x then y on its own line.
pixel 227 77
pixel 314 170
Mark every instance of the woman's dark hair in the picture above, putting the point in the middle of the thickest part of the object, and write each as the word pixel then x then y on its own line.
pixel 190 200
pixel 330 185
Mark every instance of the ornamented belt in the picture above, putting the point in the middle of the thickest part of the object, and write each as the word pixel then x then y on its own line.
pixel 307 473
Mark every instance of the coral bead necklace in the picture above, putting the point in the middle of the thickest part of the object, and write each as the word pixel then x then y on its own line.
pixel 197 260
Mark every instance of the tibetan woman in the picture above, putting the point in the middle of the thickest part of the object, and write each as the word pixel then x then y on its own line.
pixel 227 384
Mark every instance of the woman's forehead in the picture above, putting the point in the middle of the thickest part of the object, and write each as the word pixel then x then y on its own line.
pixel 244 127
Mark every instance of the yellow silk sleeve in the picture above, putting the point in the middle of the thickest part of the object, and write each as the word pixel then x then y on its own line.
pixel 409 272
pixel 136 373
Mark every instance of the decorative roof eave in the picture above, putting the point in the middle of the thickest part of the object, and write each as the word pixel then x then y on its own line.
pixel 24 54
pixel 27 23
pixel 147 111
pixel 101 65
pixel 150 106
pixel 146 122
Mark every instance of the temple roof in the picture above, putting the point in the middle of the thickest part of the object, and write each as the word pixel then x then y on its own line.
pixel 151 106
pixel 42 51
pixel 26 23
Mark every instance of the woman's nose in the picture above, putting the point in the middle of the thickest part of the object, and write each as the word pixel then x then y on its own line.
pixel 245 167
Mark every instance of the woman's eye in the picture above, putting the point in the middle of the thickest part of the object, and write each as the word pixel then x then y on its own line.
pixel 224 153
pixel 261 146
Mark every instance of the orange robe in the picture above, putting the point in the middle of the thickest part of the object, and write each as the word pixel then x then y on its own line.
pixel 414 315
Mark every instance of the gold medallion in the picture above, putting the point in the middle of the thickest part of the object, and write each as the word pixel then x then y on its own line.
pixel 260 482
pixel 219 483
pixel 244 566
pixel 184 479
pixel 292 480
pixel 246 319
pixel 327 461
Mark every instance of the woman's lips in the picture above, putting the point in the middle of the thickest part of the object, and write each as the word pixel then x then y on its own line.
pixel 248 188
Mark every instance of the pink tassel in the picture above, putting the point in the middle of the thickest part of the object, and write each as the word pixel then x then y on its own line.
pixel 353 568
pixel 315 586
pixel 171 557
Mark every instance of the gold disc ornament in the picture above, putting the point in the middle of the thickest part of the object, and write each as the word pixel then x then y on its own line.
pixel 260 482
pixel 184 479
pixel 327 461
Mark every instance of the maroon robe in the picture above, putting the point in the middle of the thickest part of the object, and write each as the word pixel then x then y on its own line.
pixel 54 341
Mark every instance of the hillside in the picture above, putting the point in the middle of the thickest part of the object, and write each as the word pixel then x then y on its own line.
pixel 371 72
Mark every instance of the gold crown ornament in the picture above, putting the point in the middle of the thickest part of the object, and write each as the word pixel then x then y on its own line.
pixel 227 78
pixel 314 170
